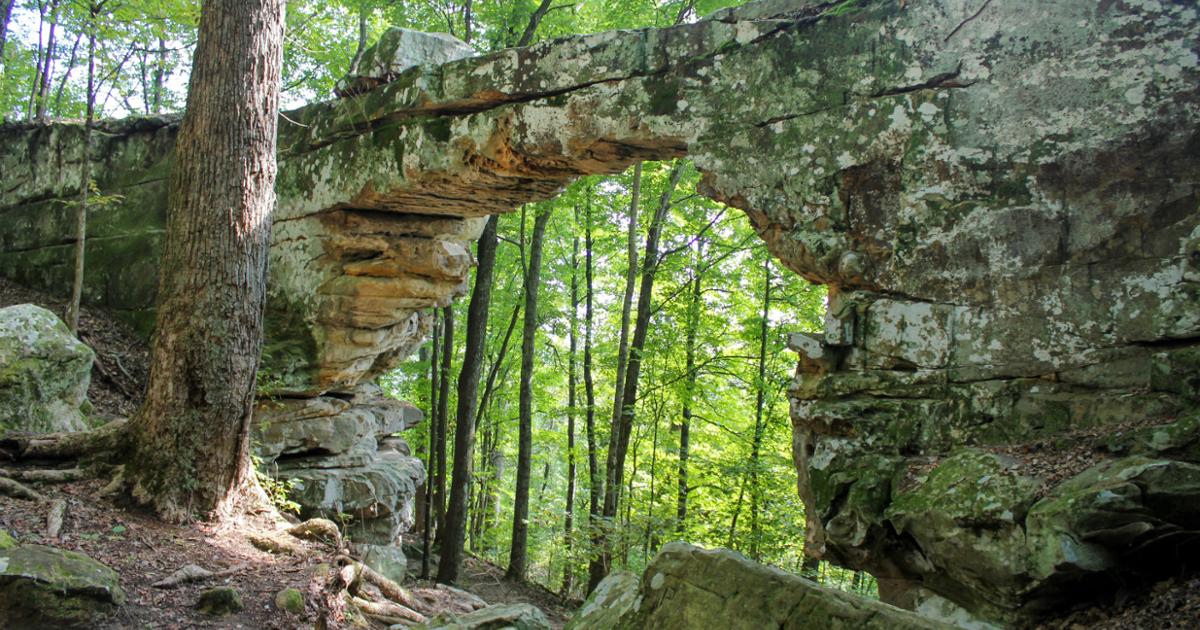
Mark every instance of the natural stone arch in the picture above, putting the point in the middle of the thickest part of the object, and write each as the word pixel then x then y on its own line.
pixel 967 181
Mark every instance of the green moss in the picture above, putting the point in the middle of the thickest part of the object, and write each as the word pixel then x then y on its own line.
pixel 6 540
pixel 290 600
pixel 220 601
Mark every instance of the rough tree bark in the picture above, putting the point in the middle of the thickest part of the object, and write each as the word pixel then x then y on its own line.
pixel 619 446
pixel 189 442
pixel 468 384
pixel 518 558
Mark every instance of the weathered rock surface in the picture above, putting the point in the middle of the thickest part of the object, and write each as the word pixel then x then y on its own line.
pixel 1002 200
pixel 687 587
pixel 398 50
pixel 46 587
pixel 44 372
pixel 341 458
pixel 494 617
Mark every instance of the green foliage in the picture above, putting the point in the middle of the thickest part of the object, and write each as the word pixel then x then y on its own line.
pixel 278 490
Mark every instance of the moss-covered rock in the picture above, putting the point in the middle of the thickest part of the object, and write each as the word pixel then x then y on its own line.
pixel 43 587
pixel 44 372
pixel 290 600
pixel 220 601
pixel 608 604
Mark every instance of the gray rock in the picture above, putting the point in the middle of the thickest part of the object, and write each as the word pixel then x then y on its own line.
pixel 220 601
pixel 494 617
pixel 398 50
pixel 612 600
pixel 44 372
pixel 43 586
pixel 686 587
pixel 388 560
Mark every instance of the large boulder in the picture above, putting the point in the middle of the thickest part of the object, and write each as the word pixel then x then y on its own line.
pixel 44 587
pixel 44 372
pixel 687 587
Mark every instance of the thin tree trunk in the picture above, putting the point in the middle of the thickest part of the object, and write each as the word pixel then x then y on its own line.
pixel 685 427
pixel 442 421
pixel 44 77
pixel 62 81
pixel 569 519
pixel 191 437
pixel 518 558
pixel 737 510
pixel 362 39
pixel 467 22
pixel 534 21
pixel 594 476
pixel 431 474
pixel 85 179
pixel 5 17
pixel 468 386
pixel 489 387
pixel 160 71
pixel 756 446
pixel 616 456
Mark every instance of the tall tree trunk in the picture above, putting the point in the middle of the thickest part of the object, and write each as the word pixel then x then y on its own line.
pixel 442 422
pixel 190 439
pixel 685 426
pixel 569 519
pixel 431 465
pixel 66 76
pixel 5 17
pixel 619 447
pixel 468 386
pixel 598 567
pixel 756 445
pixel 594 476
pixel 518 555
pixel 85 178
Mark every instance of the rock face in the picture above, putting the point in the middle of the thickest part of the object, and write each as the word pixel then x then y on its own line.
pixel 43 586
pixel 688 587
pixel 338 453
pixel 44 372
pixel 1002 200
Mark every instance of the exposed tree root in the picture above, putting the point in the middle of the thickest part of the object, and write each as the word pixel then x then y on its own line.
pixel 75 445
pixel 390 589
pixel 66 475
pixel 318 529
pixel 18 490
pixel 388 612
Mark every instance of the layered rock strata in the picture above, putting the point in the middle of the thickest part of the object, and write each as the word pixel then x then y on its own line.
pixel 1001 198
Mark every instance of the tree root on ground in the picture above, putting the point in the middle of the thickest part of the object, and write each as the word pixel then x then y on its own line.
pixel 71 445
pixel 65 475
pixel 17 490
